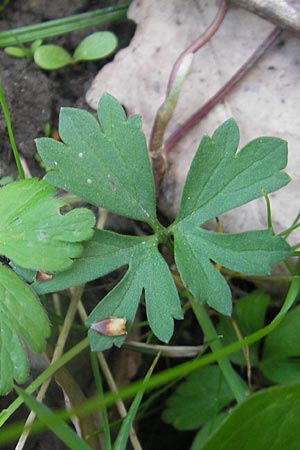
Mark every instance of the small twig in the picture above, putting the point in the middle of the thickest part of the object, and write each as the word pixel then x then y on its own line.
pixel 195 118
pixel 246 351
pixel 75 298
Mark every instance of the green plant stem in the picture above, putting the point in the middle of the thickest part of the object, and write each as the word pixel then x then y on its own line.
pixel 233 379
pixel 99 386
pixel 10 133
pixel 122 438
pixel 62 26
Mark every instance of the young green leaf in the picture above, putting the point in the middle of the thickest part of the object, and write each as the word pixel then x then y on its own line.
pixel 33 233
pixel 96 46
pixel 16 52
pixel 106 164
pixel 219 180
pixel 21 317
pixel 266 420
pixel 51 57
pixel 198 399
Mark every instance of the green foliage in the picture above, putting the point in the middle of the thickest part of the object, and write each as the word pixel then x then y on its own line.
pixel 21 316
pixel 249 314
pixel 33 235
pixel 107 164
pixel 281 352
pixel 268 419
pixel 55 424
pixel 198 399
pixel 50 57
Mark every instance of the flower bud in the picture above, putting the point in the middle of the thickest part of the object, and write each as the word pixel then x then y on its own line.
pixel 42 276
pixel 112 326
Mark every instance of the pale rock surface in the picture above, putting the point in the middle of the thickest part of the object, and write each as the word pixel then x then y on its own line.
pixel 264 103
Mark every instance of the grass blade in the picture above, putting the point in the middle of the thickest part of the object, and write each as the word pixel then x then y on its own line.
pixel 53 422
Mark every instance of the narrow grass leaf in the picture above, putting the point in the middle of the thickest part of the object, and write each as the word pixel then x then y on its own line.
pixel 54 423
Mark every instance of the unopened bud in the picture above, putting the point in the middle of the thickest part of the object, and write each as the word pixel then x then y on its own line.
pixel 112 326
pixel 42 276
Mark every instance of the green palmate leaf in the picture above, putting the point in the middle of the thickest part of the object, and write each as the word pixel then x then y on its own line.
pixel 250 252
pixel 281 351
pixel 147 271
pixel 51 57
pixel 106 164
pixel 219 180
pixel 266 420
pixel 198 399
pixel 21 317
pixel 33 233
pixel 95 46
pixel 249 314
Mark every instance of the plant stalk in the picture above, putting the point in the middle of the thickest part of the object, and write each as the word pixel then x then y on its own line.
pixel 64 25
pixel 11 134
pixel 233 380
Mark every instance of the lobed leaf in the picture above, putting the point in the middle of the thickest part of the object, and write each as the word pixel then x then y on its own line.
pixel 198 399
pixel 21 318
pixel 147 270
pixel 33 233
pixel 219 179
pixel 106 163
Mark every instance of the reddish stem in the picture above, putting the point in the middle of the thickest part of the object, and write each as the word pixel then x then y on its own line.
pixel 199 42
pixel 194 119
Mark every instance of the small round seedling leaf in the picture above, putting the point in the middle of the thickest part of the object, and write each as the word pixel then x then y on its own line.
pixel 51 57
pixel 36 44
pixel 16 52
pixel 96 46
